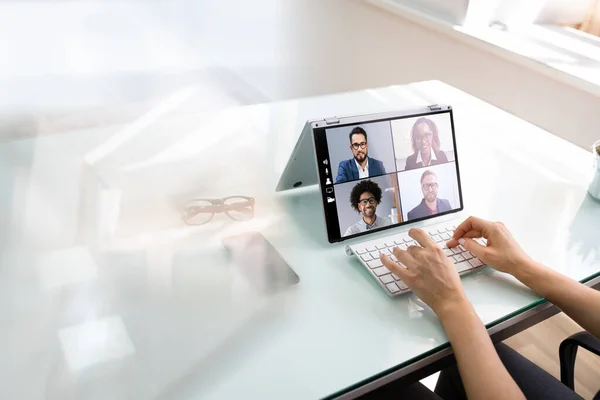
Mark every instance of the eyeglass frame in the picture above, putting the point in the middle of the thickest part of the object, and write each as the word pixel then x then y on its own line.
pixel 361 145
pixel 368 200
pixel 426 136
pixel 218 207
pixel 437 185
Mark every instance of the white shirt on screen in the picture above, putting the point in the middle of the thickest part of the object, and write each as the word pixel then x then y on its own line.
pixel 364 174
pixel 420 160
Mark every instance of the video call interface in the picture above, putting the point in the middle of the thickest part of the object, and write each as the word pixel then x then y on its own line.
pixel 385 173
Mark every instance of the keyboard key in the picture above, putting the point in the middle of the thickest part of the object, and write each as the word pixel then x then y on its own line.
pixel 466 255
pixel 374 254
pixel 392 287
pixel 462 249
pixel 458 258
pixel 436 238
pixel 390 244
pixel 441 230
pixel 456 250
pixel 402 285
pixel 386 278
pixel 361 251
pixel 380 246
pixel 408 240
pixel 374 264
pixel 463 266
pixel 366 257
pixel 396 277
pixel 476 262
pixel 385 251
pixel 381 271
pixel 446 236
pixel 393 258
pixel 448 252
pixel 399 241
pixel 371 248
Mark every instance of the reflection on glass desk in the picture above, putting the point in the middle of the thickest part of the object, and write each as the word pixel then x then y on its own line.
pixel 107 293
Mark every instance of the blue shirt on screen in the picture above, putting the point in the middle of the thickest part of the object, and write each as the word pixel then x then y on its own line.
pixel 347 170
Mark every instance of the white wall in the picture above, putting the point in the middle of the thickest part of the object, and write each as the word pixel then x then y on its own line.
pixel 271 51
pixel 526 89
pixel 453 11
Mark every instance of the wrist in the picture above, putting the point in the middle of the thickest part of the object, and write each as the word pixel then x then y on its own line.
pixel 451 306
pixel 528 271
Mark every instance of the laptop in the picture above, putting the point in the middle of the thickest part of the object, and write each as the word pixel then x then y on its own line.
pixel 381 172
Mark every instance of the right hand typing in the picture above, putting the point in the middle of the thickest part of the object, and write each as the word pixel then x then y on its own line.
pixel 502 251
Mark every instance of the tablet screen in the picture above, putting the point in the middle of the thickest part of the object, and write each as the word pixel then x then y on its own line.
pixel 386 173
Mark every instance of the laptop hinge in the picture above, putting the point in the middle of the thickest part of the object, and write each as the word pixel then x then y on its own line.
pixel 434 107
pixel 332 120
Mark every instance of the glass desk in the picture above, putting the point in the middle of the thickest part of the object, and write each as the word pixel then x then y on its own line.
pixel 107 293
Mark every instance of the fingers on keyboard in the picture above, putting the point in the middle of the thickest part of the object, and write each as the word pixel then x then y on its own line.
pixel 370 255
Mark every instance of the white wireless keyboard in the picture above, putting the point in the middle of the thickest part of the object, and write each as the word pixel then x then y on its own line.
pixel 368 253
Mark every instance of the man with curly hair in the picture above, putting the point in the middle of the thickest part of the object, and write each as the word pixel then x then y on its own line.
pixel 364 198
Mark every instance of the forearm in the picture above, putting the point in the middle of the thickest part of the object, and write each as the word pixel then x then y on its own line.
pixel 578 301
pixel 483 374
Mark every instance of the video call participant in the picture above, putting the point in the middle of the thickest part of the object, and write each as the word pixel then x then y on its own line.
pixel 361 165
pixel 430 205
pixel 425 142
pixel 364 198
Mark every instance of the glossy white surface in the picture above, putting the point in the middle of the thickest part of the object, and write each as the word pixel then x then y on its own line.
pixel 106 293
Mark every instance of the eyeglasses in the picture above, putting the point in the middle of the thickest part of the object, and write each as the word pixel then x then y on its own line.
pixel 429 186
pixel 362 145
pixel 424 136
pixel 201 211
pixel 370 200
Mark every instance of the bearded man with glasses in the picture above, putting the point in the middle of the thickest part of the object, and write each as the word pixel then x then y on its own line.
pixel 430 205
pixel 361 165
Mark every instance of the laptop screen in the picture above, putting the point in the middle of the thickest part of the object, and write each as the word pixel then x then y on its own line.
pixel 387 173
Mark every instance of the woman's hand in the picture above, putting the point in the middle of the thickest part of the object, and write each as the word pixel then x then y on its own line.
pixel 427 272
pixel 502 251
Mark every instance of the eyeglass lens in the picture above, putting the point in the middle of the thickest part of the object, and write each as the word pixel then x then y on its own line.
pixel 239 208
pixel 199 212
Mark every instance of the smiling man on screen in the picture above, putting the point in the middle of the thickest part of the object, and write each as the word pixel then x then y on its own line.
pixel 430 205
